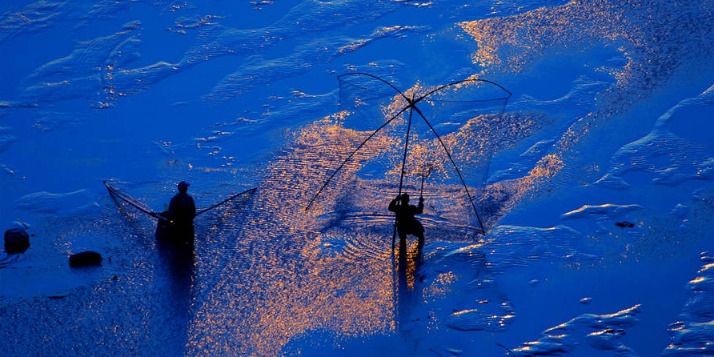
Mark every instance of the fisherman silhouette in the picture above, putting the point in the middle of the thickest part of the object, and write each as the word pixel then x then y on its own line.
pixel 406 223
pixel 182 210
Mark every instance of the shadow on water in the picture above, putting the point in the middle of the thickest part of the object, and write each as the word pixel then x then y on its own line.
pixel 178 265
pixel 178 261
pixel 171 270
pixel 7 259
pixel 409 260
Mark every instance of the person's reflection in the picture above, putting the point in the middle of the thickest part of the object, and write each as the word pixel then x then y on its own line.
pixel 408 261
pixel 408 264
pixel 178 268
pixel 407 281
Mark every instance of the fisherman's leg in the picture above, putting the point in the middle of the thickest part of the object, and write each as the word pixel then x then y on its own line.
pixel 419 232
pixel 420 246
pixel 402 238
pixel 402 231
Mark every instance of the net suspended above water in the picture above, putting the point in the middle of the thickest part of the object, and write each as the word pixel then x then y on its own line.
pixel 433 134
pixel 117 194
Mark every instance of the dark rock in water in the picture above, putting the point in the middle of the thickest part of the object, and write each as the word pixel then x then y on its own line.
pixel 83 259
pixel 16 240
pixel 625 224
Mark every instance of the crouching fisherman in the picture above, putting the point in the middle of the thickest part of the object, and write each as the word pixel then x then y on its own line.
pixel 176 224
pixel 406 222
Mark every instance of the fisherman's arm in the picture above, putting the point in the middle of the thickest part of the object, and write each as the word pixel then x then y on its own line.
pixel 420 207
pixel 393 205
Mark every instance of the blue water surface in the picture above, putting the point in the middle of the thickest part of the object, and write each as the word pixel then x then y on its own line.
pixel 592 182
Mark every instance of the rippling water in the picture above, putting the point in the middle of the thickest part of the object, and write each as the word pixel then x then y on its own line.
pixel 608 124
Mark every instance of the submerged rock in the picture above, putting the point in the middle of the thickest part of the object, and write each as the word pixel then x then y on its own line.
pixel 16 240
pixel 625 224
pixel 83 259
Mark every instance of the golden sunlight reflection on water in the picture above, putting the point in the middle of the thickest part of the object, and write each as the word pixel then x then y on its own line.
pixel 286 278
pixel 292 272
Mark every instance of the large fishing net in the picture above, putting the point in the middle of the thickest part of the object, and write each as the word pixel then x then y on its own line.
pixel 425 140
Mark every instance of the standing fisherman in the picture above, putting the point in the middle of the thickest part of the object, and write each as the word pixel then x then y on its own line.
pixel 181 212
pixel 406 223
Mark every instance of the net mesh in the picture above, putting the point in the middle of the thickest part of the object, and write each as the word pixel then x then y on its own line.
pixel 441 135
